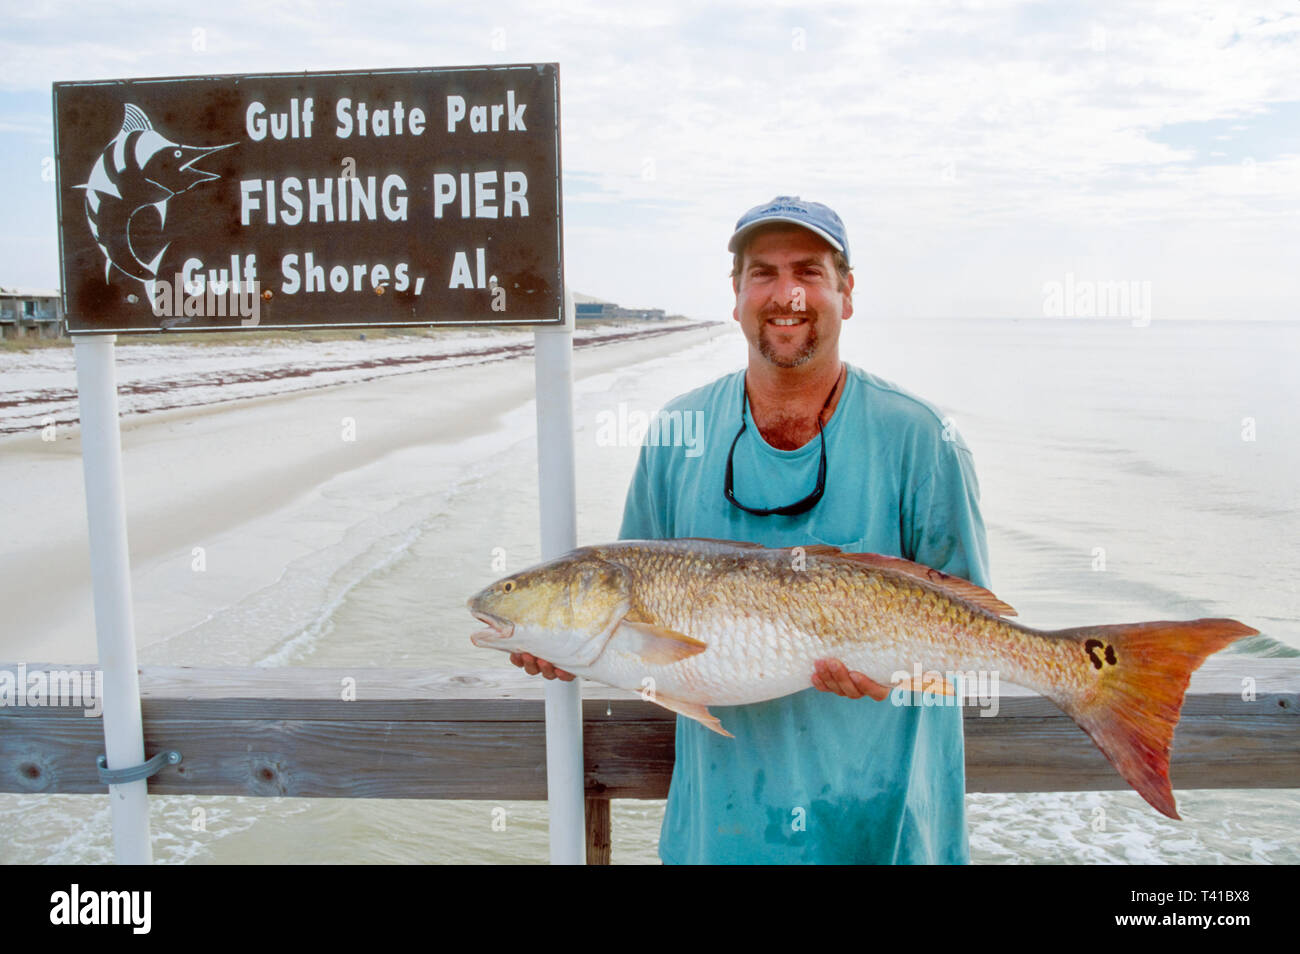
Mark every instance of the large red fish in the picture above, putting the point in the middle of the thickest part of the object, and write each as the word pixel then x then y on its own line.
pixel 715 622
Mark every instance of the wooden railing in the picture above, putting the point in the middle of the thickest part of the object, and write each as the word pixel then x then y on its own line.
pixel 387 733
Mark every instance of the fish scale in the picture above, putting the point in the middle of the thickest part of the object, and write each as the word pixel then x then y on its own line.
pixel 843 610
pixel 693 623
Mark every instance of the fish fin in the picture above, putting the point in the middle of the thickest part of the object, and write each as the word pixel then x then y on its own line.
pixel 1142 671
pixel 162 212
pixel 730 543
pixel 134 118
pixel 955 585
pixel 655 644
pixel 812 549
pixel 940 685
pixel 692 710
pixel 157 260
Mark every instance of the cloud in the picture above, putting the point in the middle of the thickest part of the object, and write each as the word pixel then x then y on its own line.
pixel 936 123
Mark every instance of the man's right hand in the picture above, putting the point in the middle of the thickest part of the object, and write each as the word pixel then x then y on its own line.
pixel 533 665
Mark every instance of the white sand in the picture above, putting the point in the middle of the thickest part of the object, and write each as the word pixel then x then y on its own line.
pixel 196 473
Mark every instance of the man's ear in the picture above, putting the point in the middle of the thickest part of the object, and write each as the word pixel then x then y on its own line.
pixel 735 288
pixel 848 297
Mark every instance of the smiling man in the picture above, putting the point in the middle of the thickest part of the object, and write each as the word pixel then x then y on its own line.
pixel 801 449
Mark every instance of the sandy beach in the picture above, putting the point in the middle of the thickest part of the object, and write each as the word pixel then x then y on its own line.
pixel 193 474
pixel 320 551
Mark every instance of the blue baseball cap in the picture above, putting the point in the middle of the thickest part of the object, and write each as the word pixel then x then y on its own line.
pixel 813 216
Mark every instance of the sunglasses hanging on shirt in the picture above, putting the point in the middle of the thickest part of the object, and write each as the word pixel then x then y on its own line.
pixel 799 506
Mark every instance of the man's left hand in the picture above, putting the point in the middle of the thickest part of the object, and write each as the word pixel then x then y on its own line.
pixel 831 675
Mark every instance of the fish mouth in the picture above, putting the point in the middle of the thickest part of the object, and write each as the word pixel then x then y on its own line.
pixel 499 630
pixel 203 154
pixel 191 173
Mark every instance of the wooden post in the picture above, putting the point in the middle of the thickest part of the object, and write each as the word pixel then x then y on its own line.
pixel 600 838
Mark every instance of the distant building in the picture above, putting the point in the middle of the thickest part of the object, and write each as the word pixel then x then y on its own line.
pixel 587 308
pixel 30 312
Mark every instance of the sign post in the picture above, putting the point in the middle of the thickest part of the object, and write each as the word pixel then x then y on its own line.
pixel 110 575
pixel 303 200
pixel 557 500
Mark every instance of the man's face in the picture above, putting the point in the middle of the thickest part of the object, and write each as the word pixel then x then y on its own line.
pixel 788 300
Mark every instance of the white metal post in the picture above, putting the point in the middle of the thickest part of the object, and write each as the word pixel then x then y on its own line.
pixel 558 502
pixel 110 577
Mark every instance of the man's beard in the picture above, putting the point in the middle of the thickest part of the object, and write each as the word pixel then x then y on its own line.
pixel 803 355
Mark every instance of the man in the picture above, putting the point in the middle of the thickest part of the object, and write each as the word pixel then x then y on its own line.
pixel 824 453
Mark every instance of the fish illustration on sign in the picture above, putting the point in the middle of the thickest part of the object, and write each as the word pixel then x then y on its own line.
pixel 138 170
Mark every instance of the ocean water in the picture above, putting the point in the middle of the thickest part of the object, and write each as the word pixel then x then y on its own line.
pixel 1167 454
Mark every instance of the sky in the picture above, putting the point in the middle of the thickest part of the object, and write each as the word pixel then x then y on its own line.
pixel 980 153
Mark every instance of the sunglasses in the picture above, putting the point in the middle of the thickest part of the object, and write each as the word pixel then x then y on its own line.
pixel 799 506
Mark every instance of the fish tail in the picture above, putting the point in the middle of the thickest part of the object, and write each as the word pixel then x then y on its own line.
pixel 1142 671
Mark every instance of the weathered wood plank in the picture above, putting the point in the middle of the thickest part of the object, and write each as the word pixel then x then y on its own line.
pixel 336 759
pixel 481 735
pixel 506 694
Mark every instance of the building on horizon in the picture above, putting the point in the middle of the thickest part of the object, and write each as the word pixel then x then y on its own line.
pixel 589 308
pixel 30 312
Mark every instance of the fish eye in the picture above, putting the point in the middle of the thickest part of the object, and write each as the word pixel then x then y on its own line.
pixel 177 153
pixel 507 586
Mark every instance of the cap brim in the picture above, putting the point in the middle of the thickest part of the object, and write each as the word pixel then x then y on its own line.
pixel 736 240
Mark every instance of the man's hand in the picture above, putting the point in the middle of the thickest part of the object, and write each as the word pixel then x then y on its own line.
pixel 532 665
pixel 831 675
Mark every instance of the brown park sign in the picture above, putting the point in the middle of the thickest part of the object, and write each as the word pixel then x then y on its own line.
pixel 296 200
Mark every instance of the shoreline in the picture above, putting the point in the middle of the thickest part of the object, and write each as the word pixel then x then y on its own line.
pixel 193 473
pixel 203 385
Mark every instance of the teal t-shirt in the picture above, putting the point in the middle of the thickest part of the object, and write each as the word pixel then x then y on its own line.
pixel 814 777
